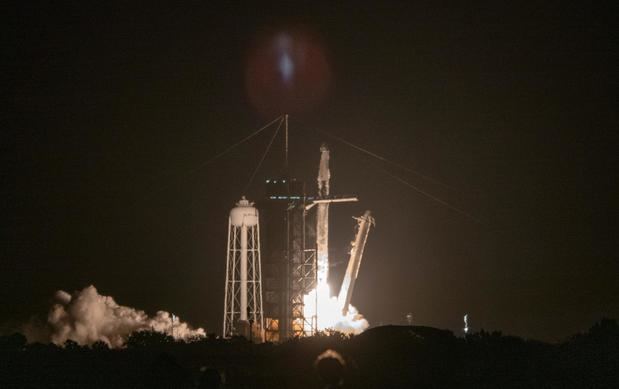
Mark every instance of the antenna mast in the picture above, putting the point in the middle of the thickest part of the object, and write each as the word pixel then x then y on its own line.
pixel 286 143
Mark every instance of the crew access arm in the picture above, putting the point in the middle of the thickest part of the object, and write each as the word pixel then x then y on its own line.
pixel 356 253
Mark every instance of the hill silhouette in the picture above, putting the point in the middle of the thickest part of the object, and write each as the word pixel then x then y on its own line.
pixel 381 357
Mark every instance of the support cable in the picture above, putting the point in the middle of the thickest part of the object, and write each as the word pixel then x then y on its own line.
pixel 428 195
pixel 221 154
pixel 218 155
pixel 403 181
pixel 383 159
pixel 251 178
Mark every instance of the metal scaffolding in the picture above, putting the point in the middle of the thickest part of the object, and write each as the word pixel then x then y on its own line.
pixel 303 277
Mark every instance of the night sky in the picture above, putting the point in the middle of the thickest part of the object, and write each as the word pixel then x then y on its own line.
pixel 111 112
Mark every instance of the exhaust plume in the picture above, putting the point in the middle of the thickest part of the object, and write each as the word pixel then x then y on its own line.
pixel 329 311
pixel 87 317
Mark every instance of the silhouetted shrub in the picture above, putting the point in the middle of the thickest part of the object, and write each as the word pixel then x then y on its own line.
pixel 12 342
pixel 148 339
pixel 388 356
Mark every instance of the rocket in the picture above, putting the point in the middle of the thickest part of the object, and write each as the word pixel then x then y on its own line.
pixel 322 218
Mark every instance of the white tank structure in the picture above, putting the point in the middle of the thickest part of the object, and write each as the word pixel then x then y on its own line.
pixel 243 313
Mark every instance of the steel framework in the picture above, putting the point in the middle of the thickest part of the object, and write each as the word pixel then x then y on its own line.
pixel 303 277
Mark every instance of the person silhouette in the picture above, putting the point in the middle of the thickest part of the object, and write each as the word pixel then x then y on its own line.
pixel 330 367
pixel 210 379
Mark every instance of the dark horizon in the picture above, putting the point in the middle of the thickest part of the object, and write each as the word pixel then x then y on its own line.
pixel 113 110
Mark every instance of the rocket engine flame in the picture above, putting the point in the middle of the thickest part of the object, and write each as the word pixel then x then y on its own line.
pixel 319 303
pixel 331 312
pixel 87 317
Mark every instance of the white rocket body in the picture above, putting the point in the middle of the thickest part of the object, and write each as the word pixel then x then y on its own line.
pixel 322 218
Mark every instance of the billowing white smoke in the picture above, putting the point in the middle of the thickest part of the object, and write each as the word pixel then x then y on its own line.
pixel 86 317
pixel 330 314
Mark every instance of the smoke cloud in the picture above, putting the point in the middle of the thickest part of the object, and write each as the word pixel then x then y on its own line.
pixel 87 317
pixel 330 314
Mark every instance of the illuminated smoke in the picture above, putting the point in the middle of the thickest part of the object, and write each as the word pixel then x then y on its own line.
pixel 466 323
pixel 330 312
pixel 87 317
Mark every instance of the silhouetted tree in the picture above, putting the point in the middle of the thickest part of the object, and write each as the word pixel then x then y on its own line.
pixel 71 345
pixel 388 356
pixel 12 342
pixel 148 338
pixel 99 345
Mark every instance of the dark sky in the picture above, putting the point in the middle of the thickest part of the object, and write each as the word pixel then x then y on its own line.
pixel 111 110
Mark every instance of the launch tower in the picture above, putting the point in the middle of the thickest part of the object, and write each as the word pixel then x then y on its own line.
pixel 290 259
pixel 295 264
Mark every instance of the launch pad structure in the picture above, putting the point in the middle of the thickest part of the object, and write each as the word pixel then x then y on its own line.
pixel 290 260
pixel 295 258
pixel 296 251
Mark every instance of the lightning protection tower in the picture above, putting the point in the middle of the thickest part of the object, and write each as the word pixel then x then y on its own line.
pixel 243 293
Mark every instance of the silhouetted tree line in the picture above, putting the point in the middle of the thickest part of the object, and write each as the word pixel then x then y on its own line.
pixel 382 357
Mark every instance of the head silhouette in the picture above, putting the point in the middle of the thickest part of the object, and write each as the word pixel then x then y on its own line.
pixel 330 367
pixel 210 379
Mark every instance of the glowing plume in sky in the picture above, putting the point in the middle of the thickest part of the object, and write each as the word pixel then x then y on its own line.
pixel 287 71
pixel 285 63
